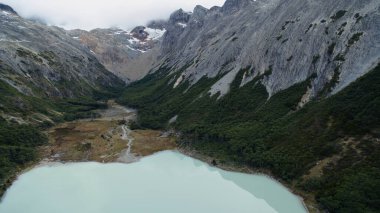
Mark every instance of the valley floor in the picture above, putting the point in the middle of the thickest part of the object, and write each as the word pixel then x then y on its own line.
pixel 104 139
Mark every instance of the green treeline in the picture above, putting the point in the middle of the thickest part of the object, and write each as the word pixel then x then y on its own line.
pixel 17 147
pixel 19 142
pixel 245 126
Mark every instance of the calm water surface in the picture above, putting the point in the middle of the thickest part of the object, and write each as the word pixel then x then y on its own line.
pixel 167 182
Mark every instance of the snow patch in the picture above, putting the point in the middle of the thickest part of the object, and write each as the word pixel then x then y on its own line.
pixel 6 13
pixel 119 32
pixel 155 34
pixel 183 25
pixel 133 40
pixel 131 48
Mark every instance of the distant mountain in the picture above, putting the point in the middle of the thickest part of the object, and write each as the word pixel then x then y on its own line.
pixel 129 55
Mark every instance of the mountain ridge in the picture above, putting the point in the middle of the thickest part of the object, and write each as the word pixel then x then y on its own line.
pixel 7 8
pixel 277 41
pixel 286 86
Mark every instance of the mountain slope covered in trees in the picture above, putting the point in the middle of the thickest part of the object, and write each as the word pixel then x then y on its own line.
pixel 329 148
pixel 291 87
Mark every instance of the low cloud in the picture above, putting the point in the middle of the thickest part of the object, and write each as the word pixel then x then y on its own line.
pixel 90 14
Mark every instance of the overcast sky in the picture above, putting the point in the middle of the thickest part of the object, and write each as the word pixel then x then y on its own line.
pixel 90 14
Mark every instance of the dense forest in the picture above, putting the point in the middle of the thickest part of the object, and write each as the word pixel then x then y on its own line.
pixel 246 127
pixel 17 147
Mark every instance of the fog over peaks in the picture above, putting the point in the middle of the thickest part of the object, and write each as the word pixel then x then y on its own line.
pixel 90 14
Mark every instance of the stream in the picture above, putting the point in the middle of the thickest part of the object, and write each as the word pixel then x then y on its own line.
pixel 127 156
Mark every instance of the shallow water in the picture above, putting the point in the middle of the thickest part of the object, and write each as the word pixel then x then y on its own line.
pixel 167 182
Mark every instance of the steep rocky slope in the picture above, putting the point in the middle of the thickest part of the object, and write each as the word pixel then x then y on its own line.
pixel 41 62
pixel 288 87
pixel 46 58
pixel 288 41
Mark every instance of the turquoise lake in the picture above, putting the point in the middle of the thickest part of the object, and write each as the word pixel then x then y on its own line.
pixel 166 182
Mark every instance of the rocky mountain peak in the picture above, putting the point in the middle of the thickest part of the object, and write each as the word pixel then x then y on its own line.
pixel 7 8
pixel 215 8
pixel 199 12
pixel 140 33
pixel 234 5
pixel 179 16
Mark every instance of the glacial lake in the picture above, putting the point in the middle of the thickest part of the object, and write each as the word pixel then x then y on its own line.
pixel 166 182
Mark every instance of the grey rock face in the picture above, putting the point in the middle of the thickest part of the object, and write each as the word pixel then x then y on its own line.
pixel 330 42
pixel 175 27
pixel 199 12
pixel 234 5
pixel 45 61
pixel 179 16
pixel 140 33
pixel 7 8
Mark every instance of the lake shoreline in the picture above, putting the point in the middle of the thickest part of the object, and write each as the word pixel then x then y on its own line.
pixel 162 166
pixel 309 204
pixel 142 149
pixel 93 140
